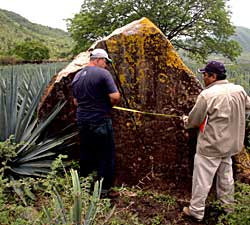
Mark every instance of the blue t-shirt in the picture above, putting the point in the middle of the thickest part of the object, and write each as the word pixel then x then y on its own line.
pixel 91 87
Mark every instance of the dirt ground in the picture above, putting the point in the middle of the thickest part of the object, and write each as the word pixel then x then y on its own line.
pixel 158 204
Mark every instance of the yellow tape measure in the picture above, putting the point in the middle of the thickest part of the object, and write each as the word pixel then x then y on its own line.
pixel 146 113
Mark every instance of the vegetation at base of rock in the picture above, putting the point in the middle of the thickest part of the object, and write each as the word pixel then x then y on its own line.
pixel 199 27
pixel 241 207
pixel 56 200
pixel 62 195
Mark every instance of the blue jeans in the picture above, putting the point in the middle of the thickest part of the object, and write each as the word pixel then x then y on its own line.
pixel 97 149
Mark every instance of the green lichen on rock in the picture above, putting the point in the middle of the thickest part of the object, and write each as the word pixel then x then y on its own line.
pixel 151 77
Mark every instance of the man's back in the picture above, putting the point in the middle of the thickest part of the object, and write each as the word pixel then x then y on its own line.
pixel 91 87
pixel 224 133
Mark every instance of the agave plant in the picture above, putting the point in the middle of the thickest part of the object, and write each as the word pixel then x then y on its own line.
pixel 59 214
pixel 19 99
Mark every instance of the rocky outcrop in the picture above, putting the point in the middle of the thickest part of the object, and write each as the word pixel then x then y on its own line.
pixel 151 78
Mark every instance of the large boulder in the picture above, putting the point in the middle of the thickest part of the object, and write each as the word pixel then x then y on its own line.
pixel 151 78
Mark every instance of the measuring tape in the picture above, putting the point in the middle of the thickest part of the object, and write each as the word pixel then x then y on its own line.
pixel 146 113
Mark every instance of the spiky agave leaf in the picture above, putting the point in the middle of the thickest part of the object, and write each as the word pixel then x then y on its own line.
pixel 92 209
pixel 60 206
pixel 32 161
pixel 31 135
pixel 9 98
pixel 18 190
pixel 41 149
pixel 18 105
pixel 16 111
pixel 38 78
pixel 32 157
pixel 76 211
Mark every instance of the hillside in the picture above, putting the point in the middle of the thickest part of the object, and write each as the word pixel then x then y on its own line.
pixel 15 28
pixel 243 37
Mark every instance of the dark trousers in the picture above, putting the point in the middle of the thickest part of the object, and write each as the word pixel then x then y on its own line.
pixel 97 149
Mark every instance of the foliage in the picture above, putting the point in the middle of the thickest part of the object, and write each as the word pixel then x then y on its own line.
pixel 37 73
pixel 241 208
pixel 32 50
pixel 8 150
pixel 11 210
pixel 15 28
pixel 19 100
pixel 6 60
pixel 57 200
pixel 59 214
pixel 199 27
pixel 60 201
pixel 236 73
pixel 168 200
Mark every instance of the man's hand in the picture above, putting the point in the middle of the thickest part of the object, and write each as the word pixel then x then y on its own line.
pixel 75 102
pixel 185 118
pixel 114 98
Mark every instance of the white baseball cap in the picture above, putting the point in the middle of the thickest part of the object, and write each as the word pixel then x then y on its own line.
pixel 100 53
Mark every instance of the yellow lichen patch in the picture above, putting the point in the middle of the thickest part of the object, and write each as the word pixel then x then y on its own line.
pixel 173 60
pixel 148 25
pixel 163 78
pixel 122 78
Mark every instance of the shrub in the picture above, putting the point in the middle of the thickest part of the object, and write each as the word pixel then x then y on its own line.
pixel 32 50
pixel 241 208
pixel 5 60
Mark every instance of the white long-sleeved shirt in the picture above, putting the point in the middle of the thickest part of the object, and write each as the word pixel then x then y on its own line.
pixel 225 105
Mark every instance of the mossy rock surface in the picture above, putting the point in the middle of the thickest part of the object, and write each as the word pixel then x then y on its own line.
pixel 151 78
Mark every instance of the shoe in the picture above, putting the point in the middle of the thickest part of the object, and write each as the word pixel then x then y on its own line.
pixel 187 213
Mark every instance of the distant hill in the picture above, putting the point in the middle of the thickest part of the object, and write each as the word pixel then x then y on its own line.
pixel 243 37
pixel 15 28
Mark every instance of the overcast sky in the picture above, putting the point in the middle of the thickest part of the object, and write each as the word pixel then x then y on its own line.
pixel 52 13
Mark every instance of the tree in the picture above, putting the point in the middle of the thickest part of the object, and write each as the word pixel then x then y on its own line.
pixel 200 27
pixel 31 50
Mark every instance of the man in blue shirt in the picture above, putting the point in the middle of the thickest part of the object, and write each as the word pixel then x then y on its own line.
pixel 95 93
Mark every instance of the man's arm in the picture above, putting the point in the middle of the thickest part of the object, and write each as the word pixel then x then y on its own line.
pixel 112 90
pixel 197 114
pixel 75 102
pixel 114 98
pixel 248 104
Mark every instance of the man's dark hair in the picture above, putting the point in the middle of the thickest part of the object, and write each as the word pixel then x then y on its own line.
pixel 218 76
pixel 221 76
